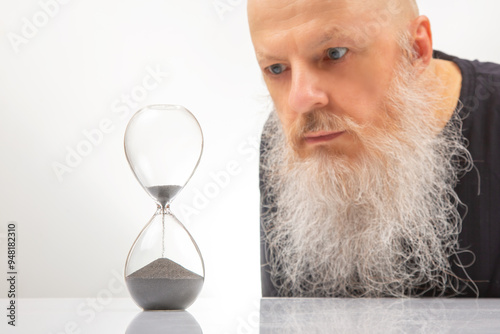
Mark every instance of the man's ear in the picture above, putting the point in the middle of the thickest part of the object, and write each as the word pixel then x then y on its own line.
pixel 422 35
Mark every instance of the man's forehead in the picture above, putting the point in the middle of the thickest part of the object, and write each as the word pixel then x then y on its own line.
pixel 336 22
pixel 272 14
pixel 331 18
pixel 269 12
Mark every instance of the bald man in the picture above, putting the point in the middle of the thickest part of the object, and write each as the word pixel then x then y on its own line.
pixel 379 162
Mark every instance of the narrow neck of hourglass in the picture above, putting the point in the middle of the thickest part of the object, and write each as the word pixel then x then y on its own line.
pixel 163 209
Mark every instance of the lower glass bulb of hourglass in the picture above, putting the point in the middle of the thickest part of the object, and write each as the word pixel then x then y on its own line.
pixel 164 269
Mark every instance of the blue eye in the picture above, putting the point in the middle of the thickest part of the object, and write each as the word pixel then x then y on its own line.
pixel 336 53
pixel 276 69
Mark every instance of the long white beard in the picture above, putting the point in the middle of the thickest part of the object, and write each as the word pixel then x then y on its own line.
pixel 385 224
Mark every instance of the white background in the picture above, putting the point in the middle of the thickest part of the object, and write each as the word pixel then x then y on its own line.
pixel 74 232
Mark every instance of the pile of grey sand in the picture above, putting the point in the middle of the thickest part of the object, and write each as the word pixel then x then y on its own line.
pixel 164 285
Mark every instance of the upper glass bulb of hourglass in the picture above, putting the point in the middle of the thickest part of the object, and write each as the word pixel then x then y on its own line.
pixel 163 145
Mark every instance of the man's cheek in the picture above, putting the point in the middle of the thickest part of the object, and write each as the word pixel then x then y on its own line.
pixel 289 124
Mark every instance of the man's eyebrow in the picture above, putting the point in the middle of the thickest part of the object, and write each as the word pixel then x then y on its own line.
pixel 333 33
pixel 261 56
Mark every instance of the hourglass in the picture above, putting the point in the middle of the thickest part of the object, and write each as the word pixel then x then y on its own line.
pixel 164 268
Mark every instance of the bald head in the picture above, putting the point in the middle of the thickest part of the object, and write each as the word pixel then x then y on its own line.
pixel 397 12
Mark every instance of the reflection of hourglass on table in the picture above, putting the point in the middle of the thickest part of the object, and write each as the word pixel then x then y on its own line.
pixel 164 268
pixel 177 322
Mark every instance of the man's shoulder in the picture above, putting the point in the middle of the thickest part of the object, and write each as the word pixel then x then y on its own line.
pixel 480 92
pixel 472 67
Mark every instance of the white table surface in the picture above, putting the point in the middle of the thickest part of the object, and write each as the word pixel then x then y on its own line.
pixel 121 315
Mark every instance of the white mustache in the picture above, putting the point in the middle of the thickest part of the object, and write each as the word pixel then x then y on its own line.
pixel 320 120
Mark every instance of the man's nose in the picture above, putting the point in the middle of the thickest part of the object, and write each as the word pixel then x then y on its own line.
pixel 307 92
